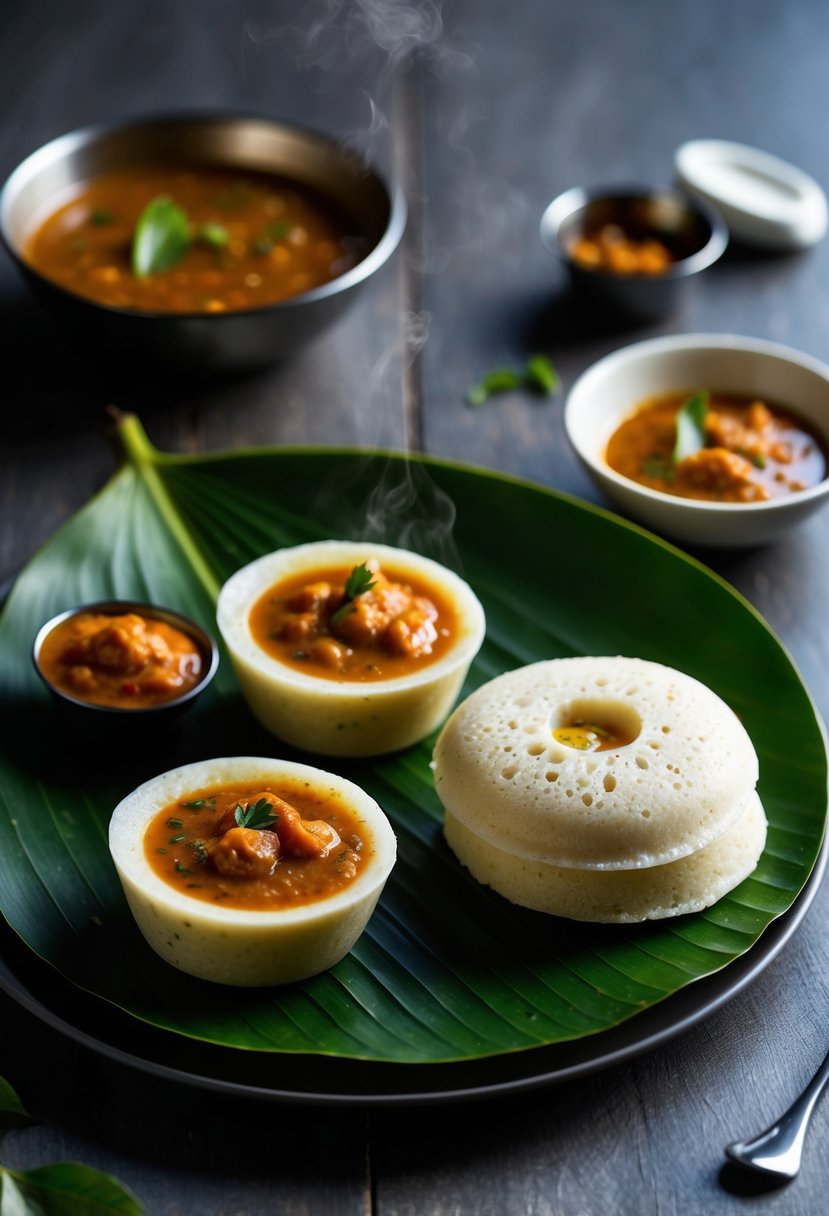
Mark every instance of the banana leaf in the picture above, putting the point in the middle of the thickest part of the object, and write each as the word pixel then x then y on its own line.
pixel 447 970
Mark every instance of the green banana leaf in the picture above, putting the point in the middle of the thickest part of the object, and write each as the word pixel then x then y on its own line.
pixel 447 970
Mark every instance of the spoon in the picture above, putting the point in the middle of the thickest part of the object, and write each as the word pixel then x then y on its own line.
pixel 775 1154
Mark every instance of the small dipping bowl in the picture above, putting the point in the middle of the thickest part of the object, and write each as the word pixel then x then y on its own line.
pixel 241 946
pixel 341 717
pixel 204 342
pixel 115 721
pixel 610 390
pixel 691 229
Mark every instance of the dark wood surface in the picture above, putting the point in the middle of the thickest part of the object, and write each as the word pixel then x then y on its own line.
pixel 483 112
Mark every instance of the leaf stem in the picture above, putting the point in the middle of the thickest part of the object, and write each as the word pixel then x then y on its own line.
pixel 145 460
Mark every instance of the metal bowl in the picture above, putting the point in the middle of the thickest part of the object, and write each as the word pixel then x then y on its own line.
pixel 220 341
pixel 689 227
pixel 114 721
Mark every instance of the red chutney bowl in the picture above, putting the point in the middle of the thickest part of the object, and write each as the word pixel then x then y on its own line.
pixel 79 711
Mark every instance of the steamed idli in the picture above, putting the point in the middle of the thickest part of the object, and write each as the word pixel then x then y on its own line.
pixel 599 764
pixel 618 896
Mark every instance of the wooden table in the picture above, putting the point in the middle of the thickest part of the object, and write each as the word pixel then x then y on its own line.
pixel 483 112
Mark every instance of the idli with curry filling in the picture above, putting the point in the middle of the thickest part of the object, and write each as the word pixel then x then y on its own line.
pixel 605 765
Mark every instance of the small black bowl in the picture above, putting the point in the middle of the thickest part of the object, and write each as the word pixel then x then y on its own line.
pixel 692 230
pixel 225 341
pixel 114 721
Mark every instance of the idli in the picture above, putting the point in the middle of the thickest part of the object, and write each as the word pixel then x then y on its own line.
pixel 600 764
pixel 618 896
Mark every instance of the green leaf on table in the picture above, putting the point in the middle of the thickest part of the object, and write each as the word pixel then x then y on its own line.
pixel 65 1189
pixel 690 427
pixel 538 374
pixel 445 970
pixel 12 1111
pixel 161 239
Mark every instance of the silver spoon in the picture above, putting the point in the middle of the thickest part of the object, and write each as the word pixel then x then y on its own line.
pixel 775 1153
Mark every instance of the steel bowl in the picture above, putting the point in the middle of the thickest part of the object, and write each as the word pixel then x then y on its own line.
pixel 691 228
pixel 220 341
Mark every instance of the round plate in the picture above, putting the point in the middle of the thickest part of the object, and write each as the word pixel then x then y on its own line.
pixel 314 1080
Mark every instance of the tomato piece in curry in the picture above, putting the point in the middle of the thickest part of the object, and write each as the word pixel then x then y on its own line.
pixel 391 630
pixel 754 450
pixel 255 239
pixel 126 661
pixel 254 847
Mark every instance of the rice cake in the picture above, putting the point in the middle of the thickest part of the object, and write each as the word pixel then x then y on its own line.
pixel 617 896
pixel 678 772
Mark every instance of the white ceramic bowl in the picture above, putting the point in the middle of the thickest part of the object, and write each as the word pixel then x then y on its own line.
pixel 342 717
pixel 608 391
pixel 235 945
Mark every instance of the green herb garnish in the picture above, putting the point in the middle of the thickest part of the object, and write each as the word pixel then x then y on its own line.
pixel 102 219
pixel 177 839
pixel 162 237
pixel 273 233
pixel 358 582
pixel 182 869
pixel 175 823
pixel 196 805
pixel 214 234
pixel 259 816
pixel 690 427
pixel 538 373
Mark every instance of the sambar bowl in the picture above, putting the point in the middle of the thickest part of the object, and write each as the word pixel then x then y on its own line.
pixel 203 341
pixel 610 391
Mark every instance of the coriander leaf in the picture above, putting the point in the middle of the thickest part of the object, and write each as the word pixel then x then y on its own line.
pixel 214 234
pixel 65 1189
pixel 690 427
pixel 358 582
pixel 259 816
pixel 12 1112
pixel 541 374
pixel 161 239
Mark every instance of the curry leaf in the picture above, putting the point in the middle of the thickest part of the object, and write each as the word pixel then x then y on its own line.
pixel 214 234
pixel 65 1189
pixel 541 374
pixel 690 427
pixel 538 373
pixel 162 237
pixel 12 1111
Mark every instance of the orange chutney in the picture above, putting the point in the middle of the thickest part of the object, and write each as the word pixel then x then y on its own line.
pixel 255 239
pixel 391 630
pixel 754 450
pixel 302 844
pixel 127 661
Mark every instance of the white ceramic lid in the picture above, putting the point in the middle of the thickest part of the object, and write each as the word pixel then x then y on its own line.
pixel 763 200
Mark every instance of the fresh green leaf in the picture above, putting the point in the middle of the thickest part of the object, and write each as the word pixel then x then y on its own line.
pixel 65 1189
pixel 12 1111
pixel 172 529
pixel 215 235
pixel 101 218
pixel 162 237
pixel 259 816
pixel 358 582
pixel 541 374
pixel 690 427
pixel 538 374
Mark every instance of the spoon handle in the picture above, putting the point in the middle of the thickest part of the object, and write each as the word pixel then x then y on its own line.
pixel 776 1152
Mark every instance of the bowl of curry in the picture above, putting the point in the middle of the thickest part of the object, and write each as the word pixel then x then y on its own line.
pixel 348 648
pixel 210 241
pixel 632 252
pixel 709 439
pixel 124 660
pixel 251 871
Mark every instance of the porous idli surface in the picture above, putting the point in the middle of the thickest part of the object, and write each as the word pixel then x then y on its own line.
pixel 619 897
pixel 682 780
